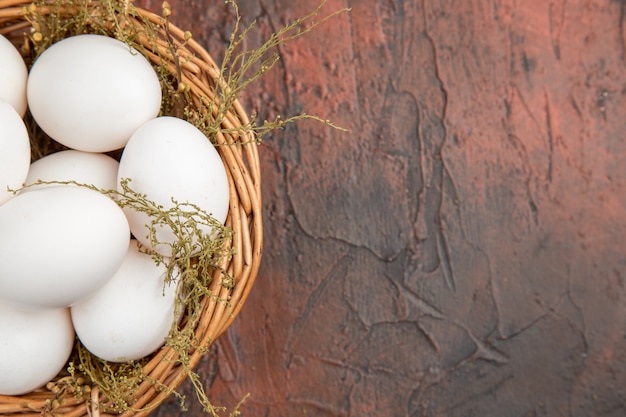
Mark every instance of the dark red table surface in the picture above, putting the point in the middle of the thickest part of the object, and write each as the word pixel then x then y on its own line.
pixel 460 251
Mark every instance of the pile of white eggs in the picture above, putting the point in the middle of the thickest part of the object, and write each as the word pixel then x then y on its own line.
pixel 70 258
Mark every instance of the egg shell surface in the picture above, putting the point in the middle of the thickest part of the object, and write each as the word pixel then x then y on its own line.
pixel 14 151
pixel 58 245
pixel 13 76
pixel 167 158
pixel 34 347
pixel 129 317
pixel 97 169
pixel 91 92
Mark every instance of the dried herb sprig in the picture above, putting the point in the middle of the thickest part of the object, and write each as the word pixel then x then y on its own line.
pixel 242 67
pixel 193 259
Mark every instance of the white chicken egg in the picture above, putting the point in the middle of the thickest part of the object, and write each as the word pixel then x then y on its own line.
pixel 34 347
pixel 96 169
pixel 59 245
pixel 14 151
pixel 13 76
pixel 130 317
pixel 167 158
pixel 90 92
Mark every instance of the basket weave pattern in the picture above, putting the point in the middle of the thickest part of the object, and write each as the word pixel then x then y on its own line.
pixel 199 73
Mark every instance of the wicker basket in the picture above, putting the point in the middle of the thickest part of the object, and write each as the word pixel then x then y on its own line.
pixel 200 74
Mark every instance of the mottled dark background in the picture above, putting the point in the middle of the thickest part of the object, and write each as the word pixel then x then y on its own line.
pixel 460 252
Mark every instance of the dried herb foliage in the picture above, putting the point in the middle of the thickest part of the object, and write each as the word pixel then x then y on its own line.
pixel 196 258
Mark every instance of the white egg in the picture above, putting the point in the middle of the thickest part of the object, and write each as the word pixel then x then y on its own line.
pixel 13 76
pixel 130 317
pixel 167 158
pixel 91 92
pixel 95 169
pixel 59 245
pixel 14 151
pixel 34 347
